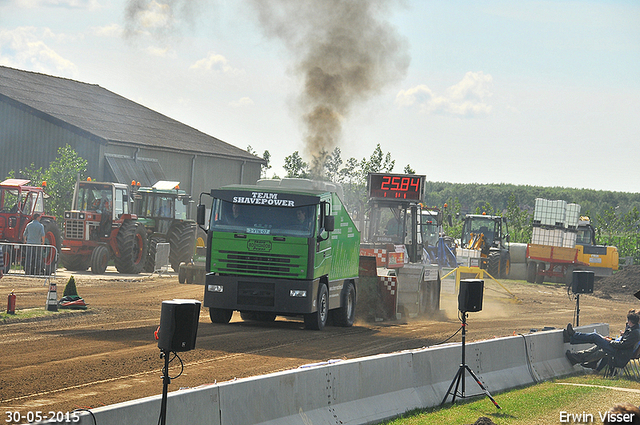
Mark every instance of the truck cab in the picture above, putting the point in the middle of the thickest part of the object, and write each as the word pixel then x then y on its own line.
pixel 281 247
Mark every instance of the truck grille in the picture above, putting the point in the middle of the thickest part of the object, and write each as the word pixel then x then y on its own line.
pixel 259 264
pixel 256 294
pixel 74 229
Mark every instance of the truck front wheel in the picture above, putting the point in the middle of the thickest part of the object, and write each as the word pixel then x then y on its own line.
pixel 318 318
pixel 220 315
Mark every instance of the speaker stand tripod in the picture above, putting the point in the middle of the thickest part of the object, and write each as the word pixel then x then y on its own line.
pixel 166 380
pixel 577 310
pixel 460 375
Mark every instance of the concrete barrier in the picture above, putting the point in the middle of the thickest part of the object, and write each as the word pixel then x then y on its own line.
pixel 357 391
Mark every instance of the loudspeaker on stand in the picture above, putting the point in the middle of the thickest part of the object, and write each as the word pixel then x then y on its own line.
pixel 470 295
pixel 178 325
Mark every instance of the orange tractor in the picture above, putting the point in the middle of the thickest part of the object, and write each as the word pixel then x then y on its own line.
pixel 101 227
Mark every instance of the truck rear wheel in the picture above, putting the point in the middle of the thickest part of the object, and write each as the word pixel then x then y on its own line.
pixel 345 315
pixel 540 275
pixel 318 319
pixel 220 315
pixel 132 246
pixel 99 259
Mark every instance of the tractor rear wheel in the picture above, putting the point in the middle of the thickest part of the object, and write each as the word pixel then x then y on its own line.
pixel 132 247
pixel 182 237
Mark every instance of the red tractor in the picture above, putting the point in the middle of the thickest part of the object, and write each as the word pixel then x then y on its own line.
pixel 101 227
pixel 18 204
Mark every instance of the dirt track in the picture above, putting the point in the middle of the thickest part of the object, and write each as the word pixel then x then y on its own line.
pixel 107 354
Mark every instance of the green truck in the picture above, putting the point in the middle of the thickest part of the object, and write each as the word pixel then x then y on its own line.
pixel 281 247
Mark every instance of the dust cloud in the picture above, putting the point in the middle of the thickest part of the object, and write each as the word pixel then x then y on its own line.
pixel 343 51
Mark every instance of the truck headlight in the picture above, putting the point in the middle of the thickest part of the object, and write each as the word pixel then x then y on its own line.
pixel 297 293
pixel 215 288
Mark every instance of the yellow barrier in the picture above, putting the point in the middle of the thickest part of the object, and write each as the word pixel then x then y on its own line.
pixel 479 274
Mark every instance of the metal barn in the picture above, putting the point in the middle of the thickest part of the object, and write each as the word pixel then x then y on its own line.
pixel 120 139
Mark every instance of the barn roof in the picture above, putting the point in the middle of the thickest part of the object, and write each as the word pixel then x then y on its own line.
pixel 105 116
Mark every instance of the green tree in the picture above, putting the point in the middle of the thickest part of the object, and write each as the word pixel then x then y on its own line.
pixel 61 178
pixel 267 158
pixel 409 170
pixel 295 166
pixel 519 221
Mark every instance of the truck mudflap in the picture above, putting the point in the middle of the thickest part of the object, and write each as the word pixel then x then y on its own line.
pixel 247 293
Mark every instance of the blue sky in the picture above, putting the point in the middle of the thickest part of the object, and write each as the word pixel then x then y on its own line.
pixel 542 93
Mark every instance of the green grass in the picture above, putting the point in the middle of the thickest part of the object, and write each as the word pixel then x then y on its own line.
pixel 536 404
pixel 28 314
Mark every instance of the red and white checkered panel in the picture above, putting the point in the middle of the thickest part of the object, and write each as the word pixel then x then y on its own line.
pixel 380 254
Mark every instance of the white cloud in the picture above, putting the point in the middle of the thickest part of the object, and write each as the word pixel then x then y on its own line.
pixel 113 30
pixel 215 63
pixel 70 4
pixel 24 47
pixel 466 99
pixel 161 52
pixel 244 101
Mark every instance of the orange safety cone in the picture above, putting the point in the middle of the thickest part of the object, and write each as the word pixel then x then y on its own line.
pixel 11 303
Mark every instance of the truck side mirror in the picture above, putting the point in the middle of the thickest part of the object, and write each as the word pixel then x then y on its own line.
pixel 200 214
pixel 329 223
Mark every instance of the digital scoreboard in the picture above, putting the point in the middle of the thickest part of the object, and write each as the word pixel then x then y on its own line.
pixel 399 187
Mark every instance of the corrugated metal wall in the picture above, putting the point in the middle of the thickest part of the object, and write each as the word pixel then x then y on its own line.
pixel 25 139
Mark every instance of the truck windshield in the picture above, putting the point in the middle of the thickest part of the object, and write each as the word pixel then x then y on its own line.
pixel 264 220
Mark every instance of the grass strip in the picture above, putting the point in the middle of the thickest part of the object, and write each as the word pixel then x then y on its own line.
pixel 551 402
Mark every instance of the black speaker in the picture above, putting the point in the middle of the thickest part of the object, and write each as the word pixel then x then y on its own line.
pixel 470 295
pixel 582 282
pixel 178 325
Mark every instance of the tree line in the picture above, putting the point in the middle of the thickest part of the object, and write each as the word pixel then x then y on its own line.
pixel 615 215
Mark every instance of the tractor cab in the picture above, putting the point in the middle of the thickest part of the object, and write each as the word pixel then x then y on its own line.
pixel 488 234
pixel 163 210
pixel 18 203
pixel 101 227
